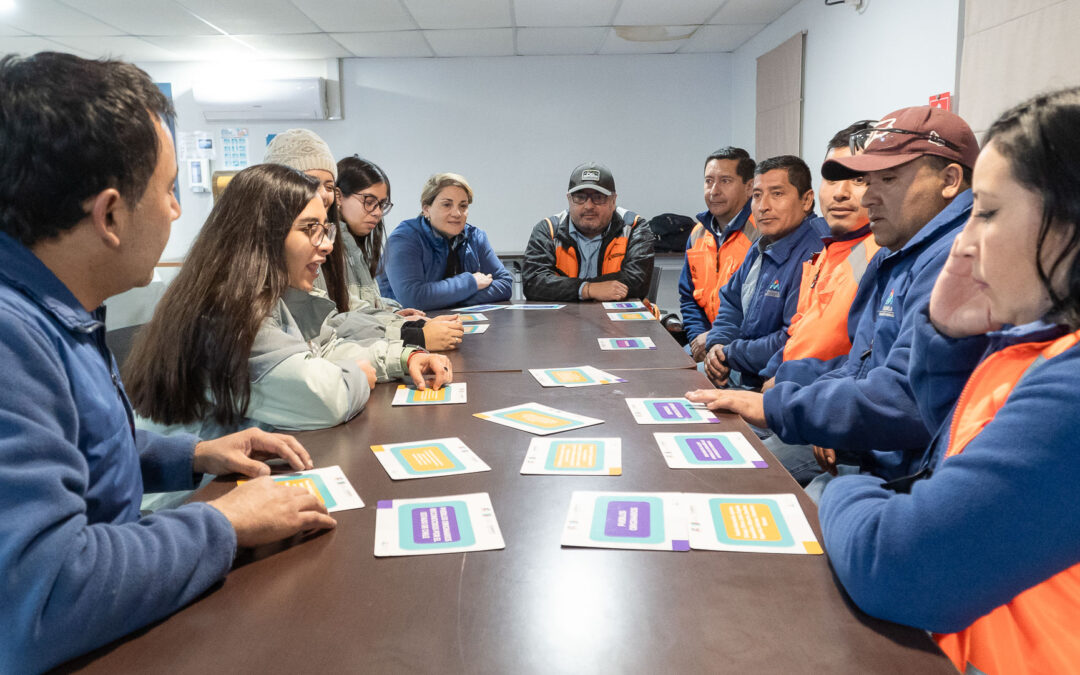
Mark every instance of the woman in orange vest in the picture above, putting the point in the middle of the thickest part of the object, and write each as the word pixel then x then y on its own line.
pixel 982 545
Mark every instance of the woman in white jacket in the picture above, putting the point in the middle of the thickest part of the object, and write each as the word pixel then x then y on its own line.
pixel 224 351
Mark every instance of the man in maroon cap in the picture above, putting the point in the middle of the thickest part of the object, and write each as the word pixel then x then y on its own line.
pixel 917 166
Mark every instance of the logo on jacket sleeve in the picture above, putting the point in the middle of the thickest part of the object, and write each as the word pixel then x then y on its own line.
pixel 774 289
pixel 887 306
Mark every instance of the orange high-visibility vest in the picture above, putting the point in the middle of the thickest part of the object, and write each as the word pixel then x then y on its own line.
pixel 829 281
pixel 611 260
pixel 1034 632
pixel 710 268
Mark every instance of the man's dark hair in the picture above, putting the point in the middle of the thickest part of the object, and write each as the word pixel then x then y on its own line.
pixel 70 128
pixel 842 138
pixel 745 167
pixel 797 172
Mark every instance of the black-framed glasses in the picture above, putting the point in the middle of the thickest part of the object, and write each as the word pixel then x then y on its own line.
pixel 369 202
pixel 316 232
pixel 860 139
pixel 597 198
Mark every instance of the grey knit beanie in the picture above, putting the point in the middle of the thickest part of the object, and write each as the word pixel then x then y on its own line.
pixel 301 149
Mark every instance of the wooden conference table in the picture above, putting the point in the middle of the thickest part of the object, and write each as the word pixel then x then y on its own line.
pixel 326 604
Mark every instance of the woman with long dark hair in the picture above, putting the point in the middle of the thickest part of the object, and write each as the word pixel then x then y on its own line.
pixel 224 351
pixel 980 545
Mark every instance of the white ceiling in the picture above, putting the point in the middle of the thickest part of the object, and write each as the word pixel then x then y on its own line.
pixel 200 30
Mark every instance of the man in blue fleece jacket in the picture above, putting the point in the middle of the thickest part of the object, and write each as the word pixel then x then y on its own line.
pixel 757 304
pixel 917 164
pixel 87 176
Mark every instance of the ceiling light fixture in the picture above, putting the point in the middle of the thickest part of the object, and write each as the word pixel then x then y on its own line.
pixel 653 33
pixel 7 6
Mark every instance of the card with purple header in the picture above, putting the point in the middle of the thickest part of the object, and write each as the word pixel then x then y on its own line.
pixel 723 450
pixel 758 523
pixel 633 520
pixel 430 525
pixel 615 344
pixel 669 411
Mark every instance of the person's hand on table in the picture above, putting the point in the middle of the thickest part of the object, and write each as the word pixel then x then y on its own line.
pixel 826 459
pixel 442 335
pixel 958 305
pixel 697 347
pixel 245 452
pixel 447 317
pixel 262 511
pixel 748 405
pixel 369 370
pixel 605 290
pixel 716 367
pixel 434 366
pixel 482 280
pixel 410 313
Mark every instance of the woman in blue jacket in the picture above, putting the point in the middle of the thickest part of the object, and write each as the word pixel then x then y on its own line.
pixel 437 259
pixel 980 546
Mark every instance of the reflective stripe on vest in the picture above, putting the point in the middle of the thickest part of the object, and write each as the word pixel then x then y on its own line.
pixel 1034 632
pixel 711 269
pixel 819 328
pixel 566 259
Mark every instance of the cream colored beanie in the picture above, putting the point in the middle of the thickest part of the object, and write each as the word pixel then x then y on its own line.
pixel 301 149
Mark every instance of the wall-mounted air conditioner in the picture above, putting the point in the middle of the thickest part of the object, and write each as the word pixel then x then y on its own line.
pixel 292 99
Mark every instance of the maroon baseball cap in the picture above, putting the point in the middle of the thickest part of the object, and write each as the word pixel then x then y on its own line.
pixel 904 135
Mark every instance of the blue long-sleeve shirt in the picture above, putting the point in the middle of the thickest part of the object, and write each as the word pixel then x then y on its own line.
pixel 991 522
pixel 867 404
pixel 416 258
pixel 78 566
pixel 694 319
pixel 752 323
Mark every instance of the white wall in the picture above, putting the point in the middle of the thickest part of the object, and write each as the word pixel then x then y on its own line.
pixel 513 126
pixel 897 53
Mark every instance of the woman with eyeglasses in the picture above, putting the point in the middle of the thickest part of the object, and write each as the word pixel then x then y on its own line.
pixel 438 259
pixel 363 192
pixel 980 546
pixel 224 351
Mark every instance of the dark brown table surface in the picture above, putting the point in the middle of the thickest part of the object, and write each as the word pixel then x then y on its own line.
pixel 519 339
pixel 326 604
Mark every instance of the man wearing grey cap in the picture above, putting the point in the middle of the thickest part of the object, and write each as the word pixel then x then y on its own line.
pixel 592 251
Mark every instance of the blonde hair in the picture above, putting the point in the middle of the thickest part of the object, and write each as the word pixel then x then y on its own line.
pixel 437 182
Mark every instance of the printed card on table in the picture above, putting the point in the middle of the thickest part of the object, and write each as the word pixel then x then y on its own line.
pixel 424 459
pixel 475 316
pixel 625 304
pixel 630 316
pixel 724 450
pixel 455 392
pixel 759 523
pixel 479 308
pixel 328 484
pixel 537 419
pixel 610 344
pixel 635 520
pixel 522 306
pixel 574 456
pixel 453 524
pixel 669 411
pixel 573 376
pixel 475 328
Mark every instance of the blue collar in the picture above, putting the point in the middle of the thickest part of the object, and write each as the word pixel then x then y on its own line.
pixel 21 269
pixel 847 236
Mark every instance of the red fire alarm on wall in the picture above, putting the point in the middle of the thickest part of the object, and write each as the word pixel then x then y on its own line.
pixel 943 101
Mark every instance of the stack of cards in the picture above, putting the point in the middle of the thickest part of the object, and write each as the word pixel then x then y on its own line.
pixel 329 484
pixel 724 450
pixel 669 411
pixel 537 419
pixel 474 317
pixel 455 392
pixel 675 521
pixel 423 459
pixel 573 376
pixel 475 328
pixel 609 344
pixel 574 456
pixel 454 524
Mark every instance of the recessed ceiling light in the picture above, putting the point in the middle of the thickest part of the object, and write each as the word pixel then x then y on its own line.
pixel 7 6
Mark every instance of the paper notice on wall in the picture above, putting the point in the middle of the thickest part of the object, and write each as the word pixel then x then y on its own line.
pixel 234 149
pixel 195 145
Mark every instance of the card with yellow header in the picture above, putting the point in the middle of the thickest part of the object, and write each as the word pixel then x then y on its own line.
pixel 407 394
pixel 424 459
